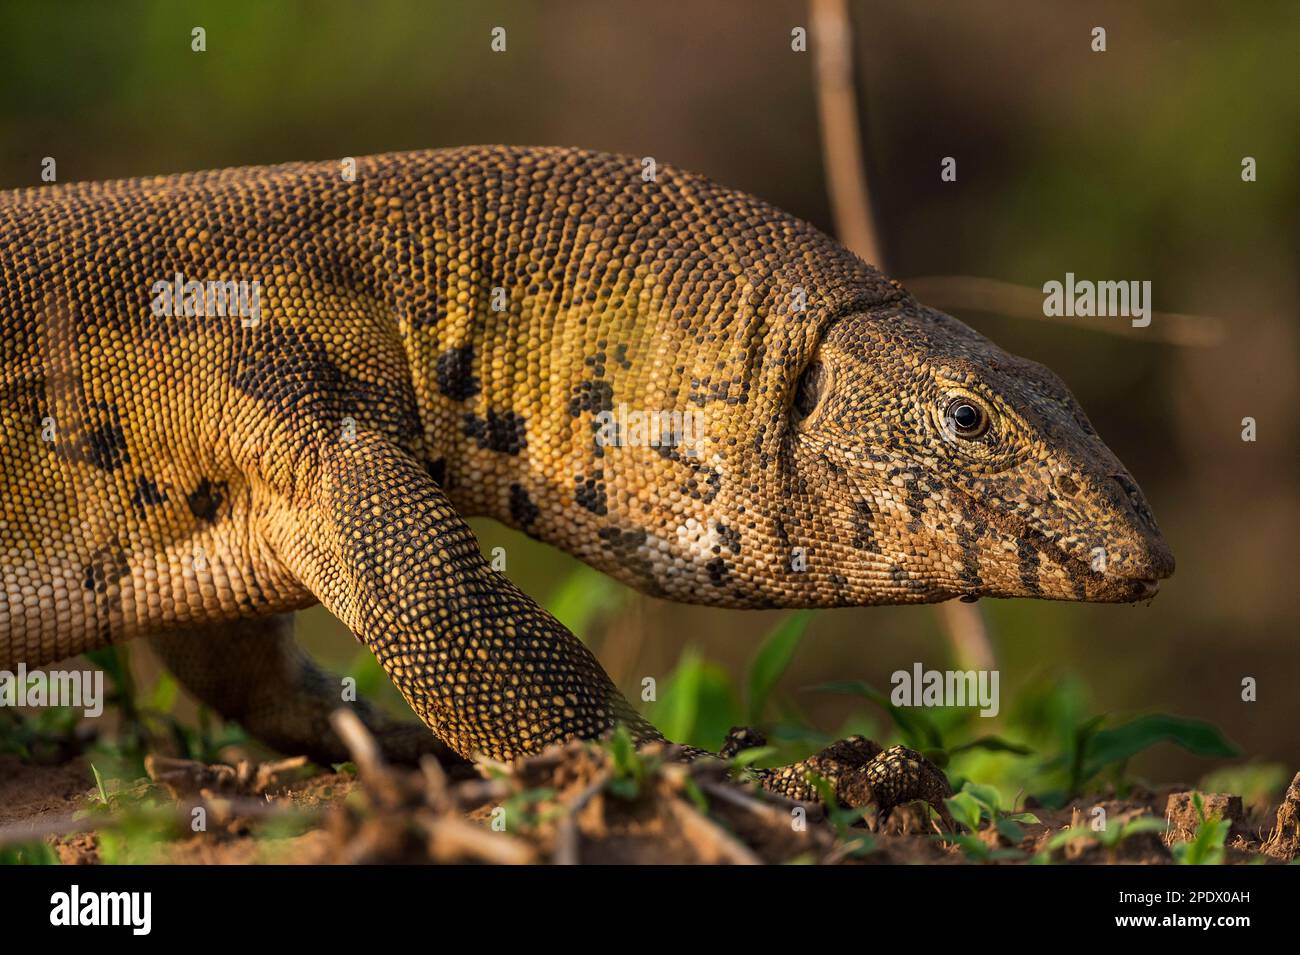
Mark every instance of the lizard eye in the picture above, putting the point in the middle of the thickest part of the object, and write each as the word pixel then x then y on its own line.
pixel 966 418
pixel 808 392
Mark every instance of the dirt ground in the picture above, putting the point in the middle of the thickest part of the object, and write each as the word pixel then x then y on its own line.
pixel 579 803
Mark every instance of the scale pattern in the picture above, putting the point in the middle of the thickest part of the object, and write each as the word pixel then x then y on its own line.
pixel 705 397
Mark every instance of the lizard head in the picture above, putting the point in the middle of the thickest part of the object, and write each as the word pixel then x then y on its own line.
pixel 951 468
pixel 884 454
pixel 730 408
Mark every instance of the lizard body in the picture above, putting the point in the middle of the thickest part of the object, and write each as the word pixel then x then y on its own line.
pixel 451 333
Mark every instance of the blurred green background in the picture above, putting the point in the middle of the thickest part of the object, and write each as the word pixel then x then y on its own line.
pixel 1122 165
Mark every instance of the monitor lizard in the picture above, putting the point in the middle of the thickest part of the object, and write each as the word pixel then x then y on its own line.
pixel 407 340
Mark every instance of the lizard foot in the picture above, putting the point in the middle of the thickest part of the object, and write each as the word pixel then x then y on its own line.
pixel 860 773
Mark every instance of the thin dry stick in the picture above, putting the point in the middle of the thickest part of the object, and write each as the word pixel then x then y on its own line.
pixel 846 177
pixel 566 833
pixel 964 626
pixel 451 838
pixel 837 108
pixel 957 293
pixel 707 834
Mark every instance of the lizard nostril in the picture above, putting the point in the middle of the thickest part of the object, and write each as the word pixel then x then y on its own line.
pixel 1065 484
pixel 1136 501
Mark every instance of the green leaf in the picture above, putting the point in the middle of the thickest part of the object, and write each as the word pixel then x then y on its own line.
pixel 987 796
pixel 994 744
pixel 1010 830
pixel 1206 847
pixel 1112 746
pixel 748 757
pixel 937 756
pixel 162 698
pixel 366 671
pixel 966 809
pixel 1143 824
pixel 112 662
pixel 675 713
pixel 28 853
pixel 585 595
pixel 99 784
pixel 698 702
pixel 772 660
pixel 918 731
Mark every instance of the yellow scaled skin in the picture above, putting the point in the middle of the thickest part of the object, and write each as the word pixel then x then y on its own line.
pixel 445 334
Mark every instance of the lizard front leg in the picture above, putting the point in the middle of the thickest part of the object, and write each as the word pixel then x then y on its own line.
pixel 486 668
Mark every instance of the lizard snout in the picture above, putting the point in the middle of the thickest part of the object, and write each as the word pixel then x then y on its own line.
pixel 1153 561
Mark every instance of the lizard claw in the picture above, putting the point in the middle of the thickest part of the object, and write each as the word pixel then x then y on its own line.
pixel 861 773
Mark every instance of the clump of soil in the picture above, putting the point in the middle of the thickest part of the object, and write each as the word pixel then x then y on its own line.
pixel 1284 841
pixel 1185 819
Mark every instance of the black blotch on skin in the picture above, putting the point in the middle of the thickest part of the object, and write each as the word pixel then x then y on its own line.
pixel 206 499
pixel 916 501
pixel 522 509
pixel 622 540
pixel 717 569
pixel 717 391
pixel 1029 560
pixel 105 447
pixel 455 373
pixel 899 576
pixel 107 565
pixel 729 537
pixel 704 490
pixel 294 374
pixel 591 396
pixel 501 431
pixel 626 546
pixel 438 471
pixel 864 535
pixel 147 493
pixel 970 559
pixel 590 493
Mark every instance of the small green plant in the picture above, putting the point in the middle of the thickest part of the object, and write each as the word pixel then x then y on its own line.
pixel 135 833
pixel 1109 838
pixel 701 701
pixel 28 853
pixel 924 732
pixel 773 658
pixel 105 800
pixel 147 720
pixel 47 735
pixel 1097 750
pixel 531 808
pixel 629 767
pixel 973 807
pixel 1207 846
pixel 857 842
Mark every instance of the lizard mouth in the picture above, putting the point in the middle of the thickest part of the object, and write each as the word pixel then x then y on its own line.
pixel 1089 584
pixel 1149 587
